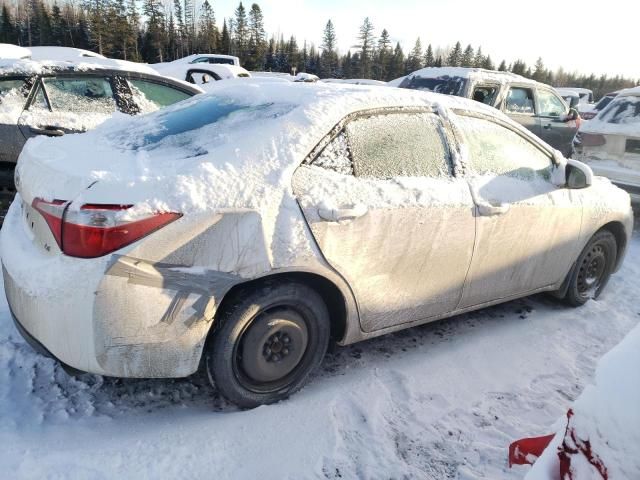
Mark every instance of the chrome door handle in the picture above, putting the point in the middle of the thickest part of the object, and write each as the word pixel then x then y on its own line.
pixel 48 131
pixel 340 214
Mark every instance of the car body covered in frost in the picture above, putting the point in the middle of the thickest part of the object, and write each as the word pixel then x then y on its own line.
pixel 610 143
pixel 250 224
pixel 536 106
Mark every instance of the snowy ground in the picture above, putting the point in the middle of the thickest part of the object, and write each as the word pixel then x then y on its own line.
pixel 439 401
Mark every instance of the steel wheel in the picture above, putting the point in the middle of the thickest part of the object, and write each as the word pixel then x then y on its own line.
pixel 592 271
pixel 270 349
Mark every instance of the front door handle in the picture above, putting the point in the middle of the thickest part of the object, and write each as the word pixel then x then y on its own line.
pixel 48 131
pixel 341 214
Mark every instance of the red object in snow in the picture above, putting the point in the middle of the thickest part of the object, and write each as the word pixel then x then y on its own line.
pixel 520 450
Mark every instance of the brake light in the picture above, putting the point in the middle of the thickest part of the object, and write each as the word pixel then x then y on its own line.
pixel 592 140
pixel 97 230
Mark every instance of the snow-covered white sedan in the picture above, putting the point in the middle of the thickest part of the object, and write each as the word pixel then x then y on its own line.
pixel 200 73
pixel 247 227
pixel 610 143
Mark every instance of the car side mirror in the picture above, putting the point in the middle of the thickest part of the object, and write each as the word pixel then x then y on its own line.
pixel 578 175
pixel 571 116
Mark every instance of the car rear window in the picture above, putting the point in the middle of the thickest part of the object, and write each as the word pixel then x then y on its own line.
pixel 604 101
pixel 622 110
pixel 446 85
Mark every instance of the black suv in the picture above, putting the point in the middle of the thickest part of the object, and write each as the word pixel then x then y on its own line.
pixel 54 99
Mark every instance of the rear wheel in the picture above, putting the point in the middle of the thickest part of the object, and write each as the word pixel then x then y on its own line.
pixel 593 269
pixel 268 342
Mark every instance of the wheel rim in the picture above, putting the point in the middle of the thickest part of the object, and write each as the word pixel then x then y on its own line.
pixel 271 349
pixel 592 271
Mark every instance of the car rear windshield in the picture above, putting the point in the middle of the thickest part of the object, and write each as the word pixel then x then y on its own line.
pixel 604 101
pixel 622 110
pixel 446 85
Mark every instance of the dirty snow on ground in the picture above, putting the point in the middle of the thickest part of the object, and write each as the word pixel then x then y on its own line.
pixel 441 401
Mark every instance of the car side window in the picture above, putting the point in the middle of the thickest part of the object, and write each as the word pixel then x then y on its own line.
pixel 336 156
pixel 493 149
pixel 520 101
pixel 80 95
pixel 151 96
pixel 398 145
pixel 485 94
pixel 550 105
pixel 13 96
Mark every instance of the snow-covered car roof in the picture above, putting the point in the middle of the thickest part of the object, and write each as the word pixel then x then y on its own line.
pixel 578 90
pixel 355 81
pixel 234 147
pixel 34 67
pixel 195 56
pixel 635 91
pixel 475 74
pixel 8 50
pixel 63 54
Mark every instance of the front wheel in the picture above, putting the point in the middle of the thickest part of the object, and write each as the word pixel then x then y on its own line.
pixel 268 342
pixel 593 269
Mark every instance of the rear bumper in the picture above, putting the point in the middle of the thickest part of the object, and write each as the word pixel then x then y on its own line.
pixel 112 316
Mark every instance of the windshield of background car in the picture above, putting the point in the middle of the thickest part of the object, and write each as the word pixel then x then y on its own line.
pixel 446 85
pixel 622 110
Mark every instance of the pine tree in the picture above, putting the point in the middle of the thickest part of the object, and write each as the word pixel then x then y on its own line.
pixel 329 57
pixel 503 66
pixel 396 68
pixel 225 39
pixel 383 58
pixel 414 60
pixel 540 72
pixel 479 59
pixel 207 31
pixel 153 44
pixel 487 63
pixel 468 57
pixel 240 39
pixel 257 45
pixel 366 39
pixel 429 59
pixel 455 57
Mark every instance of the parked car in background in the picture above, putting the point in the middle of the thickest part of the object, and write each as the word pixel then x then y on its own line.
pixel 272 216
pixel 610 143
pixel 212 58
pixel 200 73
pixel 355 81
pixel 536 106
pixel 54 98
pixel 602 103
pixel 586 95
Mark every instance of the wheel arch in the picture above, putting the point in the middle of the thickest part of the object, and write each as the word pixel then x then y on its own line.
pixel 332 295
pixel 620 234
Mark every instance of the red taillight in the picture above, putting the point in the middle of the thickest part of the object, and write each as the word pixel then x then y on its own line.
pixel 96 230
pixel 592 140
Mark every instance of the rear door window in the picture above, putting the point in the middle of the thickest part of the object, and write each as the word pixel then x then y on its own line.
pixel 82 95
pixel 13 96
pixel 486 94
pixel 398 145
pixel 151 96
pixel 520 101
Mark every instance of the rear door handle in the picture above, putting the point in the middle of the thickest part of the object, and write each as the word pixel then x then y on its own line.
pixel 48 131
pixel 487 209
pixel 340 214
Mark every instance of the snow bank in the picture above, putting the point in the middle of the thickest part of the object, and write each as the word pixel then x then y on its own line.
pixel 607 415
pixel 8 50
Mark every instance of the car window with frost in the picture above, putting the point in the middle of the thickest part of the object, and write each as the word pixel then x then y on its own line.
pixel 520 100
pixel 151 96
pixel 398 145
pixel 12 100
pixel 80 94
pixel 550 105
pixel 495 150
pixel 336 156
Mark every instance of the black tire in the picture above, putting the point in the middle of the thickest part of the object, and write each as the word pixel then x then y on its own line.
pixel 267 343
pixel 593 269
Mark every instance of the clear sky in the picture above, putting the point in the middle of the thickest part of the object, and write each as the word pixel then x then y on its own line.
pixel 599 36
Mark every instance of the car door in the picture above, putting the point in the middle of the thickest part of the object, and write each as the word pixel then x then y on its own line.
pixel 389 217
pixel 527 228
pixel 68 103
pixel 13 98
pixel 556 129
pixel 519 104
